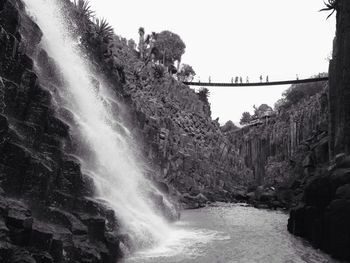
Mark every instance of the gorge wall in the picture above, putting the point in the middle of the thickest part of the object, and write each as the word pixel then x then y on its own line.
pixel 47 209
pixel 322 215
pixel 283 149
pixel 191 152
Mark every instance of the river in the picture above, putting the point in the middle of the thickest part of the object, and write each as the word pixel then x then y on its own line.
pixel 227 233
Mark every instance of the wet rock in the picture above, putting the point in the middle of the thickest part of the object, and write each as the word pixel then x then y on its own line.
pixel 96 226
pixel 68 220
pixel 192 202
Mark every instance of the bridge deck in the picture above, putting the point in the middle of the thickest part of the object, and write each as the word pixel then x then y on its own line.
pixel 272 83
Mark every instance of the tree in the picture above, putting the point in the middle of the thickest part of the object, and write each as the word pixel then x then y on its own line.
pixel 142 42
pixel 83 8
pixel 279 105
pixel 169 46
pixel 203 94
pixel 298 92
pixel 131 44
pixel 262 110
pixel 332 5
pixel 186 73
pixel 246 118
pixel 229 126
pixel 103 30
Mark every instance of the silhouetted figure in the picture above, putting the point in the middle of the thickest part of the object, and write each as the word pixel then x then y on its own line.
pixel 267 78
pixel 297 77
pixel 247 79
pixel 209 79
pixel 236 80
pixel 261 78
pixel 240 80
pixel 232 80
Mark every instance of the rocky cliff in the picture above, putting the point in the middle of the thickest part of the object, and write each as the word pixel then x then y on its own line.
pixel 322 215
pixel 282 150
pixel 187 146
pixel 47 209
pixel 48 212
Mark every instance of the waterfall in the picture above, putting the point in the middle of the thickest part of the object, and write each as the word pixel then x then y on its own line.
pixel 117 174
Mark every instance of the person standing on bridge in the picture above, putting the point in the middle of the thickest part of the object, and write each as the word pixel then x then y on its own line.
pixel 267 78
pixel 247 79
pixel 209 79
pixel 236 80
pixel 240 80
pixel 261 78
pixel 232 80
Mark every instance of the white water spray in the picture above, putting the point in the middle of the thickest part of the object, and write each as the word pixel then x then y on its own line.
pixel 116 172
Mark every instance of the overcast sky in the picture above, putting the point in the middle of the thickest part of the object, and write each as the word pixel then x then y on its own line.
pixel 227 38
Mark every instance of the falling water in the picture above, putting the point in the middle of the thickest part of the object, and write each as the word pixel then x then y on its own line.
pixel 117 173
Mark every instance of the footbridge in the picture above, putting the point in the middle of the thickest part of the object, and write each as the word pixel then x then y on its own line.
pixel 253 84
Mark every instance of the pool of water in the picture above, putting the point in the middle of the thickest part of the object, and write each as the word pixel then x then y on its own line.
pixel 225 233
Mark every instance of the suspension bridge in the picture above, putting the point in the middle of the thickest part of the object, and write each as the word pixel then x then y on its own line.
pixel 253 84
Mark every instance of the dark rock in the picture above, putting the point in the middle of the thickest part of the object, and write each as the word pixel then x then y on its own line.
pixel 338 217
pixel 68 220
pixel 343 192
pixel 41 236
pixel 6 251
pixel 10 17
pixel 318 192
pixel 22 256
pixel 96 226
pixel 42 257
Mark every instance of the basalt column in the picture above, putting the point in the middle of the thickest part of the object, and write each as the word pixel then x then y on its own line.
pixel 339 83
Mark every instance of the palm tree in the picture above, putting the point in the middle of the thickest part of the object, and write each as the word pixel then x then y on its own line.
pixel 103 30
pixel 83 9
pixel 331 5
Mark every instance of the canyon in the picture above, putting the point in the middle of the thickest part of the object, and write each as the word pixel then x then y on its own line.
pixel 55 208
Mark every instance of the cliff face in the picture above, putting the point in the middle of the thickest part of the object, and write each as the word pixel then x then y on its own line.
pixel 47 212
pixel 187 146
pixel 275 149
pixel 339 84
pixel 322 215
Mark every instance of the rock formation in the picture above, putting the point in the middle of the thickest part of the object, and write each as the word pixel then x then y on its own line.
pixel 281 150
pixel 47 209
pixel 322 215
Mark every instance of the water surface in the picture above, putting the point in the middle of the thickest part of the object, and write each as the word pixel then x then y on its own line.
pixel 227 233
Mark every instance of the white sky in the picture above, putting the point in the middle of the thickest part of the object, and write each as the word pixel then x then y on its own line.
pixel 227 38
